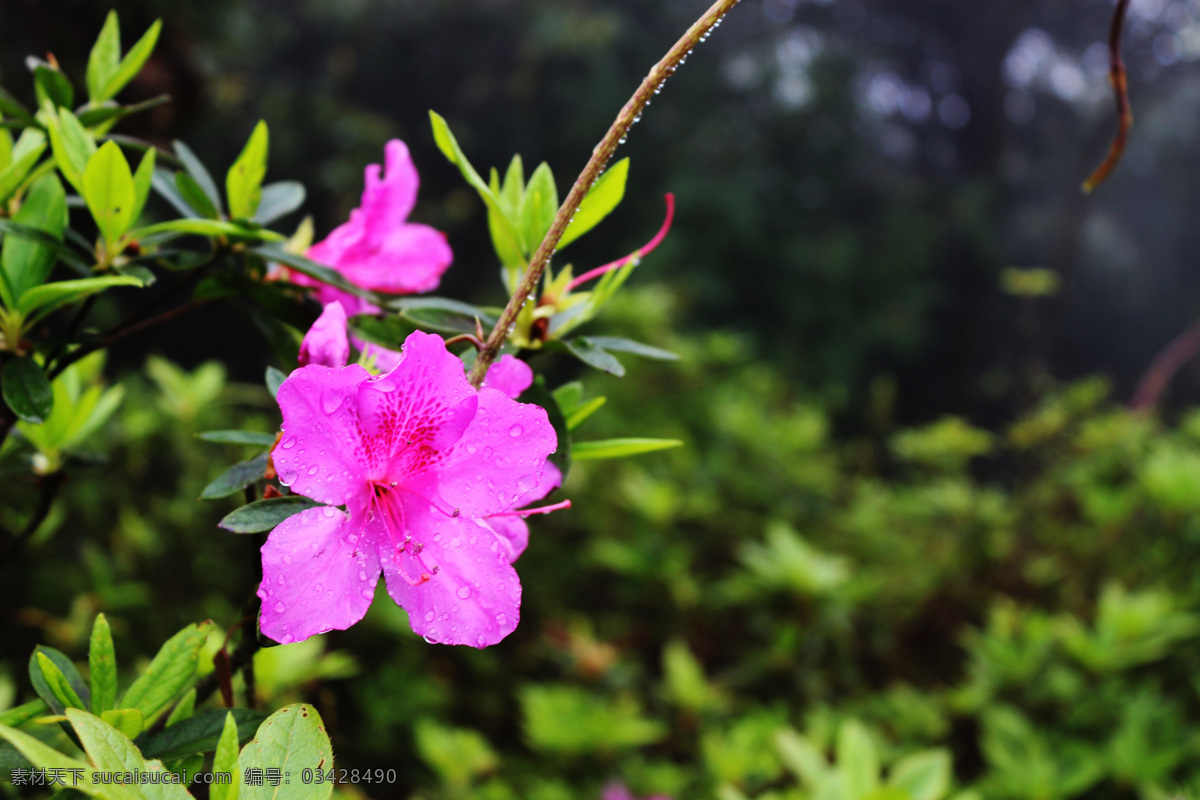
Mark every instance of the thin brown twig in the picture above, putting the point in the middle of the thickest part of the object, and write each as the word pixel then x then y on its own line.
pixel 1120 84
pixel 595 165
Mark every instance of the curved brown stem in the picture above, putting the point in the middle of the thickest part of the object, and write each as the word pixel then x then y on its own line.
pixel 1182 349
pixel 1116 76
pixel 600 157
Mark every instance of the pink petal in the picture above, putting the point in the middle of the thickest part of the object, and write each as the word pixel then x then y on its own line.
pixel 500 457
pixel 473 596
pixel 512 532
pixel 510 375
pixel 409 258
pixel 320 454
pixel 387 203
pixel 411 414
pixel 385 359
pixel 317 575
pixel 326 342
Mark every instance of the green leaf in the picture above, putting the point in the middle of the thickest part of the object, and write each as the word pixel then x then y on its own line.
pixel 619 448
pixel 184 709
pixel 51 85
pixel 194 196
pixel 102 666
pixel 49 296
pixel 292 739
pixel 539 395
pixel 443 315
pixel 389 331
pixel 225 759
pixel 101 118
pixel 141 183
pixel 601 199
pixel 104 58
pixel 320 272
pixel 588 353
pixel 198 172
pixel 43 755
pixel 11 107
pixel 171 670
pixel 628 346
pixel 503 230
pixel 199 734
pixel 127 720
pixel 457 755
pixel 279 199
pixel 132 64
pixel 857 761
pixel 264 515
pixel 206 227
pixel 243 182
pixel 26 263
pixel 538 206
pixel 109 192
pixel 15 717
pixel 238 437
pixel 585 410
pixel 26 152
pixel 164 182
pixel 513 187
pixel 925 775
pixel 26 390
pixel 57 682
pixel 237 477
pixel 274 379
pixel 72 145
pixel 112 751
pixel 573 720
pixel 65 667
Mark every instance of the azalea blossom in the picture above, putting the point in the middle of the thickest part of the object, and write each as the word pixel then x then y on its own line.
pixel 377 248
pixel 430 472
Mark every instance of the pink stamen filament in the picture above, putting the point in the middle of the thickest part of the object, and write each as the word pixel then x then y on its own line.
pixel 382 500
pixel 525 512
pixel 636 254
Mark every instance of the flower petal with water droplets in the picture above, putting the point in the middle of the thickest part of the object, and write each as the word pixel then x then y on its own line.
pixel 510 375
pixel 326 342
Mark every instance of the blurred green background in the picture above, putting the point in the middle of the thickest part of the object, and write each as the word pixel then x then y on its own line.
pixel 905 530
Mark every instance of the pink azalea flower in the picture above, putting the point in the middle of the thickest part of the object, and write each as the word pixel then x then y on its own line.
pixel 425 465
pixel 378 248
pixel 326 342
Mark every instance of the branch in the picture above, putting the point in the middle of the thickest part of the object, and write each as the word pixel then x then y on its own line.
pixel 1116 76
pixel 1182 349
pixel 601 155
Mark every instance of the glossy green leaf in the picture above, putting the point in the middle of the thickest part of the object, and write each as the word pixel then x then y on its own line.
pixel 6 146
pixel 588 353
pixel 26 390
pixel 65 668
pixel 72 145
pixel 292 739
pixel 274 379
pixel 43 755
pixel 388 331
pixel 585 410
pixel 278 200
pixel 200 173
pixel 206 227
pixel 199 734
pixel 171 670
pixel 109 191
pixel 127 720
pixel 237 477
pixel 163 181
pixel 238 437
pixel 569 396
pixel 184 709
pixel 102 666
pixel 103 117
pixel 51 85
pixel 443 315
pixel 606 193
pixel 26 263
pixel 264 515
pixel 243 182
pixel 112 751
pixel 12 107
pixel 194 196
pixel 104 58
pixel 322 273
pixel 49 296
pixel 131 64
pixel 619 448
pixel 19 715
pixel 538 206
pixel 612 343
pixel 57 682
pixel 225 759
pixel 141 183
pixel 512 188
pixel 25 154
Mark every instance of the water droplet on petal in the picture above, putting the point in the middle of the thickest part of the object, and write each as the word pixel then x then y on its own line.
pixel 456 542
pixel 288 443
pixel 429 616
pixel 515 430
pixel 501 619
pixel 313 469
pixel 463 592
pixel 279 607
pixel 287 477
